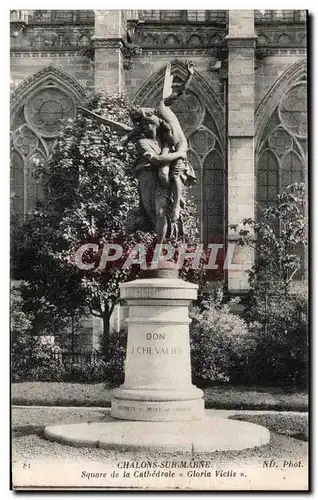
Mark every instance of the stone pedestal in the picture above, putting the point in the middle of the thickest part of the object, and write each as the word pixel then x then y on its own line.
pixel 158 383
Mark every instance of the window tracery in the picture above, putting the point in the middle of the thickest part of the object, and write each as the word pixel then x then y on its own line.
pixel 282 156
pixel 44 110
pixel 35 126
pixel 189 111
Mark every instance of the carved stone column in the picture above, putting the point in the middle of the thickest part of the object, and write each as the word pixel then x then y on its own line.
pixel 241 52
pixel 110 28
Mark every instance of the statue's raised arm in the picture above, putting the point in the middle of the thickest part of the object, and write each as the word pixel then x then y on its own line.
pixel 170 93
pixel 120 128
pixel 125 132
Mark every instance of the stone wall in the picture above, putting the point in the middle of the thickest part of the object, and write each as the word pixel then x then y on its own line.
pixel 58 42
pixel 51 38
pixel 145 65
pixel 271 68
pixel 25 64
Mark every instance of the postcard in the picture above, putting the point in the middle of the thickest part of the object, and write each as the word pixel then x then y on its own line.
pixel 159 267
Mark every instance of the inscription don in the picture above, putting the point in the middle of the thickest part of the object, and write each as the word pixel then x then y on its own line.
pixel 155 336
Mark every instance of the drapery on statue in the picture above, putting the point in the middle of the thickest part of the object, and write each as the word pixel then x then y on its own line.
pixel 162 167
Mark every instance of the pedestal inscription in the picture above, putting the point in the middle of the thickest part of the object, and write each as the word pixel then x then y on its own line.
pixel 157 410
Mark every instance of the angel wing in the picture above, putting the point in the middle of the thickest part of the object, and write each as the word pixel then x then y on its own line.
pixel 120 128
pixel 167 85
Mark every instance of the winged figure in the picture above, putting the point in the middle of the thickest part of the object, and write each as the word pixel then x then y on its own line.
pixel 162 167
pixel 179 172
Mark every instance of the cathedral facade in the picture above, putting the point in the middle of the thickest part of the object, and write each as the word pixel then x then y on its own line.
pixel 245 113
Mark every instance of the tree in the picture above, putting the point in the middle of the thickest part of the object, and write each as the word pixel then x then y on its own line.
pixel 50 291
pixel 276 238
pixel 89 195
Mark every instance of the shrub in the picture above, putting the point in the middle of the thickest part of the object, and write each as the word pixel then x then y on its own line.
pixel 20 322
pixel 218 340
pixel 45 373
pixel 114 364
pixel 32 358
pixel 280 340
pixel 109 370
pixel 83 372
pixel 271 350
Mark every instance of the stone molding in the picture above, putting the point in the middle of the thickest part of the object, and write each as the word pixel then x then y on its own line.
pixel 262 52
pixel 189 37
pixel 158 288
pixel 288 37
pixel 49 53
pixel 241 41
pixel 106 43
pixel 50 38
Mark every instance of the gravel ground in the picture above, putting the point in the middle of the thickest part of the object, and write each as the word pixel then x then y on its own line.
pixel 225 397
pixel 34 447
pixel 28 442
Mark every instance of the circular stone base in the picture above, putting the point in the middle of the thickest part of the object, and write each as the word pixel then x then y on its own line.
pixel 206 435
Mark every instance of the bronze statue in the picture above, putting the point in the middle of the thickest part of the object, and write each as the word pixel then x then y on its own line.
pixel 162 167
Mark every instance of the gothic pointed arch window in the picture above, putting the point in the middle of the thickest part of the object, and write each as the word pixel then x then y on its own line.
pixel 208 162
pixel 37 116
pixel 282 152
pixel 206 156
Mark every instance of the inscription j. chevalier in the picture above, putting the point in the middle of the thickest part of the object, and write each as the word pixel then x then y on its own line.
pixel 156 350
pixel 153 349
